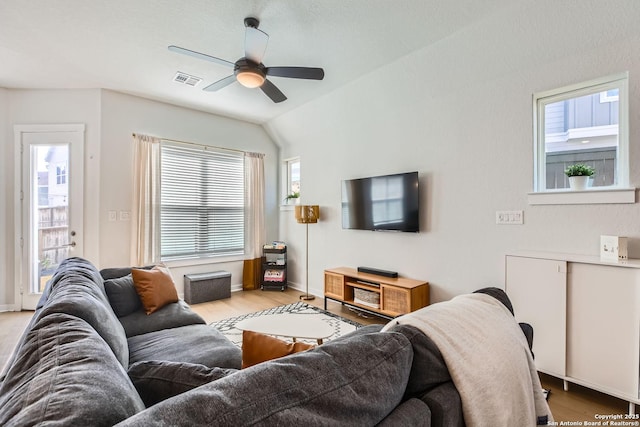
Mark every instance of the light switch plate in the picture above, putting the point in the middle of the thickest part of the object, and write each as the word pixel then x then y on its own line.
pixel 510 217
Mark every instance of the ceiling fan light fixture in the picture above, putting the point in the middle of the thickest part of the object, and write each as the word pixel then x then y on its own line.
pixel 249 70
pixel 250 79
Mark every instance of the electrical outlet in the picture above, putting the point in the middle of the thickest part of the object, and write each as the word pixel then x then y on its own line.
pixel 510 217
pixel 125 215
pixel 113 216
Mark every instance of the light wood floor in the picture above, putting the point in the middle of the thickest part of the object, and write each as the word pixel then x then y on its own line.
pixel 578 404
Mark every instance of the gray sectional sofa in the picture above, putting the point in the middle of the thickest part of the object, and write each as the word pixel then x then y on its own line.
pixel 78 363
pixel 70 366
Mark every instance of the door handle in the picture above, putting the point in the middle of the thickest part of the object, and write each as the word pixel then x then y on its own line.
pixel 72 244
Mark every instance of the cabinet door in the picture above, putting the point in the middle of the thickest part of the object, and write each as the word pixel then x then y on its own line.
pixel 395 301
pixel 604 328
pixel 334 285
pixel 537 289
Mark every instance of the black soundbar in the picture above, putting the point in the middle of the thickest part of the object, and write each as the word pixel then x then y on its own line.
pixel 378 272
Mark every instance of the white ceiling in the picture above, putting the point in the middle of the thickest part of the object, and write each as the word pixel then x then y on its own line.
pixel 121 45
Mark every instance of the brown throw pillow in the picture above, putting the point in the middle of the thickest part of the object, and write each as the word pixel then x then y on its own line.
pixel 155 287
pixel 257 348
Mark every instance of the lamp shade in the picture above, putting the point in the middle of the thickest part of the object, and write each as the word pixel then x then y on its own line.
pixel 307 214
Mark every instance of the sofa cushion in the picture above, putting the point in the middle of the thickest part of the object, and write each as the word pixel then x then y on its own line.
pixel 428 369
pixel 258 348
pixel 200 344
pixel 356 381
pixel 80 269
pixel 362 330
pixel 413 412
pixel 173 315
pixel 445 405
pixel 122 295
pixel 65 374
pixel 498 294
pixel 155 287
pixel 77 289
pixel 158 380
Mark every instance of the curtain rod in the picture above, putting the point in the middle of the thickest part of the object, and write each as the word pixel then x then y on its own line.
pixel 200 145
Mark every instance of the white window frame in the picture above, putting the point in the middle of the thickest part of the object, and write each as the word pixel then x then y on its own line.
pixel 286 177
pixel 620 192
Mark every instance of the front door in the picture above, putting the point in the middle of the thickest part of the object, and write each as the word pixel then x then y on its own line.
pixel 51 213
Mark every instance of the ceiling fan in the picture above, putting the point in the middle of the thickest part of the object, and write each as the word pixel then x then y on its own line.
pixel 249 70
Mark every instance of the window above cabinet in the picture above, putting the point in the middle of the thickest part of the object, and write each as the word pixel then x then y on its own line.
pixel 585 123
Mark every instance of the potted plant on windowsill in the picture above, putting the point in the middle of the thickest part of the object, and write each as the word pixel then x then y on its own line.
pixel 292 198
pixel 579 175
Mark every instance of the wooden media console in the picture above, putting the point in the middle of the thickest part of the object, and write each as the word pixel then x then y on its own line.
pixel 383 296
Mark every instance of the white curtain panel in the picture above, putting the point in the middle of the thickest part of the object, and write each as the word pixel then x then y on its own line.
pixel 255 233
pixel 145 243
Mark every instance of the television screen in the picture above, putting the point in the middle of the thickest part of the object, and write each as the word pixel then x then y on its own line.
pixel 382 203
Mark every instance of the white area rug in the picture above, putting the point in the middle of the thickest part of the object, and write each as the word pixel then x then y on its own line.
pixel 341 326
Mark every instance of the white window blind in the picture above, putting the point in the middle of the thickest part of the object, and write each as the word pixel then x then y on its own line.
pixel 202 202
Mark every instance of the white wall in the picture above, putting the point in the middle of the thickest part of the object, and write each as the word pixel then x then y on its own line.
pixel 48 107
pixel 123 115
pixel 110 120
pixel 460 112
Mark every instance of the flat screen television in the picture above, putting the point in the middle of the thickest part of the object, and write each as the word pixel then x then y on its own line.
pixel 382 203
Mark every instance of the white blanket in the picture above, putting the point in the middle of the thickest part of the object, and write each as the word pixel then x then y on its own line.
pixel 488 359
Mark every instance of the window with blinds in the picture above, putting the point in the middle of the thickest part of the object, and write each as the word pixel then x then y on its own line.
pixel 202 202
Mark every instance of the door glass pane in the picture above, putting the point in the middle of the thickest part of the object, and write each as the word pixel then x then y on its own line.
pixel 49 211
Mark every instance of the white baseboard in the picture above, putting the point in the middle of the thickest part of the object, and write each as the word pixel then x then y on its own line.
pixel 290 285
pixel 8 307
pixel 301 288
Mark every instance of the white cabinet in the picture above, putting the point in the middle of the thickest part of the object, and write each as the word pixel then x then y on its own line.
pixel 543 309
pixel 586 318
pixel 603 328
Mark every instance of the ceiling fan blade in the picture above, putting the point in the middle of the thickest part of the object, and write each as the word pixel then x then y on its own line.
pixel 199 55
pixel 272 92
pixel 220 83
pixel 255 44
pixel 296 72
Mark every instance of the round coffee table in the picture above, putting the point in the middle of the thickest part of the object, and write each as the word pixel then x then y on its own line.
pixel 288 325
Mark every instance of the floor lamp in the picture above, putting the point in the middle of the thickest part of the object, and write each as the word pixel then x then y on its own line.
pixel 307 214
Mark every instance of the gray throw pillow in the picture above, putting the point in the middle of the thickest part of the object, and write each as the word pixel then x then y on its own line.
pixel 122 295
pixel 158 380
pixel 117 272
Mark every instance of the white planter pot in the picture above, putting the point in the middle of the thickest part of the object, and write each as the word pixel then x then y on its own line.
pixel 579 182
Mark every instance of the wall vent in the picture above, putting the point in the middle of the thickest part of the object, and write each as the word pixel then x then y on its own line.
pixel 186 79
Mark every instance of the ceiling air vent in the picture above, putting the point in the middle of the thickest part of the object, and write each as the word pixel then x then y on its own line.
pixel 186 79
